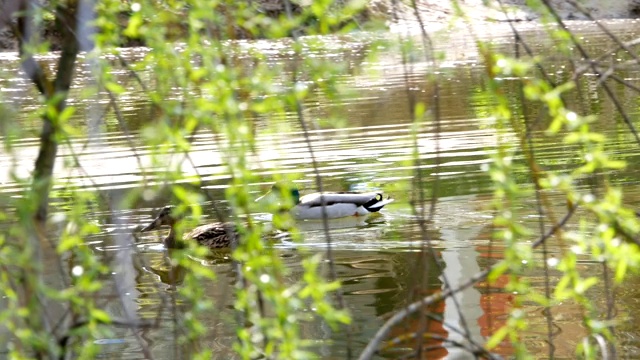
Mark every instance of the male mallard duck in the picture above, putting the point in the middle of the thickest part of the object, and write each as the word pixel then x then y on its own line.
pixel 213 236
pixel 337 204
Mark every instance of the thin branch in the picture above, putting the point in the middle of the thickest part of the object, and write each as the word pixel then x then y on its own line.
pixel 585 55
pixel 610 296
pixel 539 204
pixel 397 318
pixel 621 44
pixel 323 203
pixel 125 129
pixel 26 33
pixel 474 349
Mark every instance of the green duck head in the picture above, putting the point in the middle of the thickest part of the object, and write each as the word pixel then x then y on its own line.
pixel 281 195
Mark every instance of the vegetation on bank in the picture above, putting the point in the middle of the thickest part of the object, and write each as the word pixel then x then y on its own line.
pixel 208 82
pixel 266 11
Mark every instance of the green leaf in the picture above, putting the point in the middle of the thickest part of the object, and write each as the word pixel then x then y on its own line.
pixel 497 337
pixel 133 28
pixel 100 316
pixel 114 88
pixel 66 114
pixel 497 271
pixel 419 110
pixel 621 269
pixel 582 286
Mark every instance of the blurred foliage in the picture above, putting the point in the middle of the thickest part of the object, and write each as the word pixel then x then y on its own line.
pixel 608 229
pixel 195 77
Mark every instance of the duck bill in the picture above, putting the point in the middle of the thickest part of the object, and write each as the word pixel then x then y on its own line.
pixel 154 225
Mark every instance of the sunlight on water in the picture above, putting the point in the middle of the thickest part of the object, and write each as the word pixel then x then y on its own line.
pixel 376 256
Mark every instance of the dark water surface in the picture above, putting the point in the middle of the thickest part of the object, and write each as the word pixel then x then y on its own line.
pixel 378 259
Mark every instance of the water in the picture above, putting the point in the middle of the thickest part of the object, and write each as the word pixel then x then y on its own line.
pixel 378 259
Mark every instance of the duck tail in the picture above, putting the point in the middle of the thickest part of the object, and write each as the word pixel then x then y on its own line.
pixel 377 203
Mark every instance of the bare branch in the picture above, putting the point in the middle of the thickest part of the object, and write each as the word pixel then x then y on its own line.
pixel 397 318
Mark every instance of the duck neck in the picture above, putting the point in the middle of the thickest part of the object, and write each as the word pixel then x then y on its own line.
pixel 295 195
pixel 170 240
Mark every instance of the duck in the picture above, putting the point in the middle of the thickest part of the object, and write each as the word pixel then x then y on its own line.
pixel 214 235
pixel 337 204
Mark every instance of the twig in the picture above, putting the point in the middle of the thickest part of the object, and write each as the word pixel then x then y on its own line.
pixel 585 55
pixel 622 45
pixel 323 202
pixel 476 349
pixel 539 207
pixel 602 343
pixel 384 330
pixel 125 129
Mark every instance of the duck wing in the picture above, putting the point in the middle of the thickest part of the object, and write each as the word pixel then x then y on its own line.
pixel 370 200
pixel 215 235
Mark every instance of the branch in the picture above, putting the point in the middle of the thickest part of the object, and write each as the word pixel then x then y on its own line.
pixel 396 319
pixel 43 172
pixel 25 32
pixel 585 55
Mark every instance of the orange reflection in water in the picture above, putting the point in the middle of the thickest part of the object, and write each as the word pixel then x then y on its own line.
pixel 495 304
pixel 403 337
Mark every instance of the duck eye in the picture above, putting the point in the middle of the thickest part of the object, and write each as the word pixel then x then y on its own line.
pixel 378 197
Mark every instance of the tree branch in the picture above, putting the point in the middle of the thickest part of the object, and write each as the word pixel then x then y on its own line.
pixel 397 318
pixel 56 97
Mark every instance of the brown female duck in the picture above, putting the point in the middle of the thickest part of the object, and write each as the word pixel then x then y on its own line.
pixel 213 236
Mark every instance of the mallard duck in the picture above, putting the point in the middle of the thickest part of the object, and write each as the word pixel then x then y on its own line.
pixel 213 236
pixel 337 204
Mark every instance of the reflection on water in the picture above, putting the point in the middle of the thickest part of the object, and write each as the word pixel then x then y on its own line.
pixel 378 258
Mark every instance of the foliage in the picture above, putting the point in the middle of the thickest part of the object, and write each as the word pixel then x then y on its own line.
pixel 523 95
pixel 608 228
pixel 197 81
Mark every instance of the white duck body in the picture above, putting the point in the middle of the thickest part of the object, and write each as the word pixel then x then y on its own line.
pixel 339 204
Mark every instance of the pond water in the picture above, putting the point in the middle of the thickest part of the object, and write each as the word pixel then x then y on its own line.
pixel 378 259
